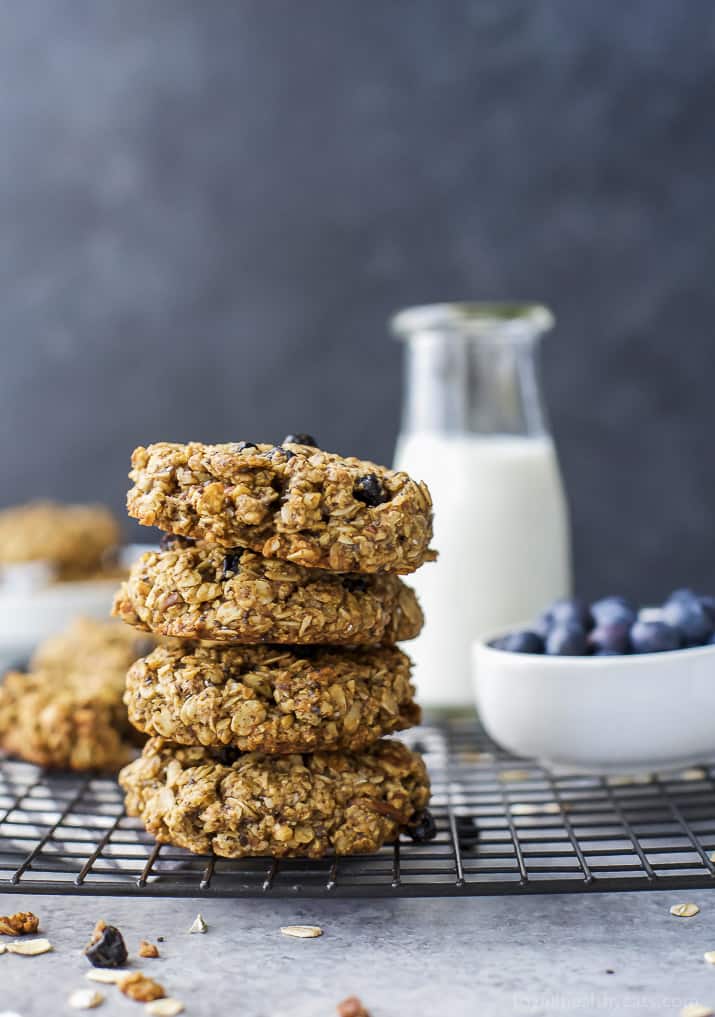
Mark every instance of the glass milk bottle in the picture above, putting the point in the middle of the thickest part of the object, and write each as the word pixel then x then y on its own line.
pixel 474 429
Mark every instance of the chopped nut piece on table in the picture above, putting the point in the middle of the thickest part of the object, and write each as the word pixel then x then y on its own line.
pixel 352 1007
pixel 199 925
pixel 22 923
pixel 138 986
pixel 147 949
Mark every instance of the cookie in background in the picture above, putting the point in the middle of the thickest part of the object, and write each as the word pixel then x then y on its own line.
pixel 56 562
pixel 67 711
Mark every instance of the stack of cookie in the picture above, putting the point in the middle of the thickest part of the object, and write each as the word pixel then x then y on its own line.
pixel 278 583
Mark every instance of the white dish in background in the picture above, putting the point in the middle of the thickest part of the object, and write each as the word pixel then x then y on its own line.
pixel 33 607
pixel 624 714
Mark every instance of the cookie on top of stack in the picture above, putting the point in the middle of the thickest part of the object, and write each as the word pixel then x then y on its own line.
pixel 278 581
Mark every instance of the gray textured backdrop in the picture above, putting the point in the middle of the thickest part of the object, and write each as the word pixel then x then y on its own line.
pixel 209 209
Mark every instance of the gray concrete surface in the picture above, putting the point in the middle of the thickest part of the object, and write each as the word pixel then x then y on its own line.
pixel 490 956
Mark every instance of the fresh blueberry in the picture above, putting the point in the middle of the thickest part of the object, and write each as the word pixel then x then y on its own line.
pixel 300 439
pixel 521 642
pixel 543 625
pixel 654 637
pixel 369 490
pixel 567 640
pixel 570 611
pixel 684 611
pixel 613 611
pixel 708 605
pixel 609 639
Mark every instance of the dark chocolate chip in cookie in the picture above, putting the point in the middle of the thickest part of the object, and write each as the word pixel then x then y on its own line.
pixel 369 491
pixel 300 439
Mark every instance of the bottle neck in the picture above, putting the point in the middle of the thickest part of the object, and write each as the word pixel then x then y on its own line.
pixel 466 384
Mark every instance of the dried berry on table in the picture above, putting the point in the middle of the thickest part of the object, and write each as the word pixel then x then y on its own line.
pixel 147 949
pixel 352 1007
pixel 138 986
pixel 22 923
pixel 107 948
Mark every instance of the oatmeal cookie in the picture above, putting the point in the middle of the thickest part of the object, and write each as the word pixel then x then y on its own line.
pixel 271 698
pixel 253 804
pixel 291 501
pixel 68 711
pixel 89 645
pixel 71 721
pixel 204 592
pixel 72 538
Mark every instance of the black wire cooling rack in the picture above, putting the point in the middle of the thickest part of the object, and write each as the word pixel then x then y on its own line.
pixel 504 826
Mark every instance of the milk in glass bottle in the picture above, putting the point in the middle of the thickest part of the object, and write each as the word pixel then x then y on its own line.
pixel 474 429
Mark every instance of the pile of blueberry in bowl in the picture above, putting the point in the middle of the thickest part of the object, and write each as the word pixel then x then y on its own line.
pixel 614 626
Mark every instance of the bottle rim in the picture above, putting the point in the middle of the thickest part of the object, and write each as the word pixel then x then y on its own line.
pixel 473 318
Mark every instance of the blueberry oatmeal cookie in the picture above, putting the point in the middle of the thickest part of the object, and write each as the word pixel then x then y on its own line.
pixel 68 711
pixel 90 645
pixel 291 501
pixel 209 593
pixel 74 539
pixel 238 805
pixel 271 698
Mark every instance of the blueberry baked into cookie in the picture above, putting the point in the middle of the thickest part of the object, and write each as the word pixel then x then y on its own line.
pixel 204 592
pixel 291 501
pixel 273 699
pixel 215 800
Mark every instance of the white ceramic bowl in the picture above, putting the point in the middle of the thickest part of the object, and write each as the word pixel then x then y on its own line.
pixel 30 613
pixel 635 713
